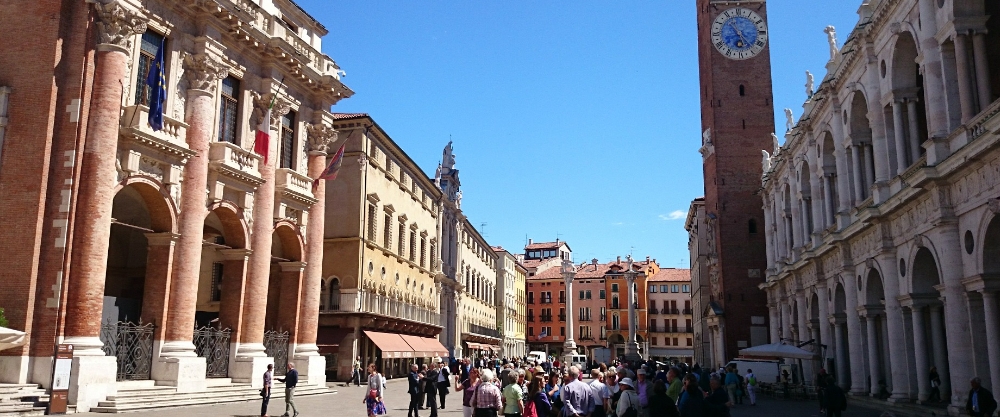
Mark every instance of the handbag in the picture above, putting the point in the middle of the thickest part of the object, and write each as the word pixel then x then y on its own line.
pixel 373 393
pixel 631 411
pixel 263 392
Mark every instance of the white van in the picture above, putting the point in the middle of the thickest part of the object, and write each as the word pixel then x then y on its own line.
pixel 581 362
pixel 537 356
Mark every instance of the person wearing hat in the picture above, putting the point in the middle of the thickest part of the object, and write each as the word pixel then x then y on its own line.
pixel 628 403
pixel 443 381
pixel 644 388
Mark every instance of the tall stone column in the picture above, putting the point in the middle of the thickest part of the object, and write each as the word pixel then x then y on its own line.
pixel 824 326
pixel 569 347
pixel 312 366
pixel 900 135
pixel 992 335
pixel 940 359
pixel 960 357
pixel 632 346
pixel 964 76
pixel 920 352
pixel 829 212
pixel 934 97
pixel 914 126
pixel 854 337
pixel 95 372
pixel 178 365
pixel 840 324
pixel 982 69
pixel 786 319
pixel 876 118
pixel 773 321
pixel 869 162
pixel 251 361
pixel 803 325
pixel 859 182
pixel 875 367
pixel 769 234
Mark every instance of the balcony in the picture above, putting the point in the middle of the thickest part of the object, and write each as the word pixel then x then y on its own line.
pixel 686 311
pixel 562 299
pixel 293 185
pixel 232 161
pixel 485 331
pixel 604 317
pixel 654 311
pixel 586 318
pixel 545 319
pixel 531 318
pixel 562 317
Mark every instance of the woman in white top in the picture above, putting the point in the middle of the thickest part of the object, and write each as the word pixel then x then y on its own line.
pixel 629 398
pixel 373 396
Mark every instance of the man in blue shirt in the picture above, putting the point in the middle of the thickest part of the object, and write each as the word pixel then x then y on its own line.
pixel 980 402
pixel 291 379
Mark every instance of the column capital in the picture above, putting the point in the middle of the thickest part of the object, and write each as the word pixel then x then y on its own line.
pixel 320 137
pixel 203 71
pixel 261 102
pixel 116 25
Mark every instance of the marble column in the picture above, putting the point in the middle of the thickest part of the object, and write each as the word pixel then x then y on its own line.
pixel 842 159
pixel 178 364
pixel 914 126
pixel 869 163
pixel 982 70
pixel 920 353
pixel 960 360
pixel 965 76
pixel 875 366
pixel 312 366
pixel 828 204
pixel 803 325
pixel 823 293
pixel 798 233
pixel 95 372
pixel 992 336
pixel 900 135
pixel 934 97
pixel 841 352
pixel 569 346
pixel 817 203
pixel 855 336
pixel 786 321
pixel 859 174
pixel 632 346
pixel 940 356
pixel 251 361
pixel 774 322
pixel 769 234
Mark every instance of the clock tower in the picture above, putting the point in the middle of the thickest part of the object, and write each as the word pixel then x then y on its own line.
pixel 737 116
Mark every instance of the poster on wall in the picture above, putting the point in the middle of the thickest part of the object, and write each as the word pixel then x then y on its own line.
pixel 60 380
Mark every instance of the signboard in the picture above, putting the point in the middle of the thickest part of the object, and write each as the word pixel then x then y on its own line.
pixel 62 374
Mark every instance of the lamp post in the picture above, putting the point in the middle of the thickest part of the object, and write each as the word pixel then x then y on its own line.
pixel 632 347
pixel 569 347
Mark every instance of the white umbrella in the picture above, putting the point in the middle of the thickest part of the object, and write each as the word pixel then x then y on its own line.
pixel 10 338
pixel 778 350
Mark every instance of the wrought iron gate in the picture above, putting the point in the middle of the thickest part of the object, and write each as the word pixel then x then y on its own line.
pixel 213 345
pixel 132 345
pixel 276 346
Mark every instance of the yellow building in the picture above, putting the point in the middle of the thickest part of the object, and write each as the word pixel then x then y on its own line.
pixel 511 307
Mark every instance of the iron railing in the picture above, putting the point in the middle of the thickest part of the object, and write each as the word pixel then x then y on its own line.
pixel 276 346
pixel 132 346
pixel 213 345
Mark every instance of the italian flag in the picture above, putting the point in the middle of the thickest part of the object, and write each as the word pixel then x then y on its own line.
pixel 262 141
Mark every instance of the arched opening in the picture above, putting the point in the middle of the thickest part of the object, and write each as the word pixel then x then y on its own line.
pixel 877 332
pixel 991 248
pixel 840 345
pixel 831 196
pixel 925 272
pixel 127 253
pixel 908 109
pixel 742 91
pixel 805 199
pixel 927 316
pixel 862 164
pixel 285 280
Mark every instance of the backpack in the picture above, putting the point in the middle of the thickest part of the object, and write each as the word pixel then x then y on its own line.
pixel 752 381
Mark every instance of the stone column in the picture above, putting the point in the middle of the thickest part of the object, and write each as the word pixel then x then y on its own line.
pixel 914 126
pixel 312 366
pixel 178 365
pixel 234 272
pixel 828 204
pixel 774 321
pixel 937 113
pixel 840 352
pixel 939 358
pixel 898 130
pixel 769 234
pixel 803 325
pixel 964 77
pixel 959 338
pixel 842 158
pixel 569 347
pixel 95 372
pixel 992 335
pixel 859 174
pixel 156 293
pixel 982 70
pixel 920 353
pixel 824 327
pixel 786 319
pixel 632 346
pixel 875 370
pixel 869 162
pixel 251 361
pixel 798 233
pixel 854 337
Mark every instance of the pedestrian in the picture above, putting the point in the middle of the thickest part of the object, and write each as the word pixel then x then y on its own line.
pixel 552 389
pixel 443 381
pixel 265 392
pixel 836 400
pixel 785 380
pixel 487 400
pixel 429 383
pixel 644 388
pixel 731 381
pixel 513 397
pixel 414 390
pixel 820 387
pixel 718 401
pixel 423 381
pixel 537 404
pixel 676 385
pixel 980 402
pixel 355 374
pixel 935 395
pixel 602 397
pixel 661 405
pixel 577 397
pixel 751 386
pixel 374 398
pixel 291 379
pixel 692 401
pixel 628 402
pixel 741 385
pixel 467 387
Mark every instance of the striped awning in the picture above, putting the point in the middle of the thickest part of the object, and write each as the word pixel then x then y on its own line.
pixel 392 345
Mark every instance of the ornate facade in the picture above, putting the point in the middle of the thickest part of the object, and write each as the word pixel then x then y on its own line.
pixel 881 208
pixel 130 238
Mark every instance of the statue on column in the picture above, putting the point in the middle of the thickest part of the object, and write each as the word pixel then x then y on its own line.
pixel 789 120
pixel 448 157
pixel 765 163
pixel 809 84
pixel 831 37
pixel 775 146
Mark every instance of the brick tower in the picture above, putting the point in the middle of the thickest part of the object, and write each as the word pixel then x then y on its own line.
pixel 737 117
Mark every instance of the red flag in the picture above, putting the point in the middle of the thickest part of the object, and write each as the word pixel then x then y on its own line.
pixel 330 173
pixel 262 141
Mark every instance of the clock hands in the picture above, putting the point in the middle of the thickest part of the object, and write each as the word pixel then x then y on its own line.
pixel 738 32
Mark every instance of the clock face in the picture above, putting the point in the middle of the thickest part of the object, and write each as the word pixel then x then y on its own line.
pixel 739 33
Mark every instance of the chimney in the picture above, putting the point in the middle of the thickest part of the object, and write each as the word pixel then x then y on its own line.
pixel 529 241
pixel 619 259
pixel 647 259
pixel 594 262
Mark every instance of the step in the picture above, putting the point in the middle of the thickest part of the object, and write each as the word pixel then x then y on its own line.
pixel 218 382
pixel 136 400
pixel 104 407
pixel 22 412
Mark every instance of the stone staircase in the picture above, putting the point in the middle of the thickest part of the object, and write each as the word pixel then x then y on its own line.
pixel 22 400
pixel 899 409
pixel 144 395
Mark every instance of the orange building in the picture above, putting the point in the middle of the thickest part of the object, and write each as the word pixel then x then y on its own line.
pixel 617 304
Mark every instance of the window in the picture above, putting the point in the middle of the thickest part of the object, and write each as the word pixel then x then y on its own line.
pixel 423 252
pixel 531 330
pixel 531 298
pixel 387 231
pixel 562 331
pixel 614 303
pixel 217 269
pixel 652 288
pixel 752 226
pixel 582 294
pixel 675 342
pixel 413 245
pixel 604 314
pixel 589 295
pixel 673 288
pixel 372 222
pixel 603 295
pixel 148 48
pixel 614 322
pixel 614 287
pixel 562 296
pixel 228 108
pixel 288 140
pixel 653 339
pixel 690 342
pixel 685 288
pixel 401 247
pixel 742 90
pixel 663 288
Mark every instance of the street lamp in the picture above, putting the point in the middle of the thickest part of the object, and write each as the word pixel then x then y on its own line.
pixel 569 347
pixel 632 347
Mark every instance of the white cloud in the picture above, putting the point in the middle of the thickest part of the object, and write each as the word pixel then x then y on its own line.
pixel 674 215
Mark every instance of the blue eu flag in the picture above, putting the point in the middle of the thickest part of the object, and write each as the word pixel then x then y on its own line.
pixel 156 81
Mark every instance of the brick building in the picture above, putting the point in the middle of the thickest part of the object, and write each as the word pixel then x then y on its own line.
pixel 618 320
pixel 671 331
pixel 122 240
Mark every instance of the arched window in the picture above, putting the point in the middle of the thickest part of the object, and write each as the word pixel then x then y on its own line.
pixel 334 294
pixel 324 295
pixel 752 226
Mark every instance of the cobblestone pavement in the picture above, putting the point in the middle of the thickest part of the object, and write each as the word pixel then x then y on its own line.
pixel 347 403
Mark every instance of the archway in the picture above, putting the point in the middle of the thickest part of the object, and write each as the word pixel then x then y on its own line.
pixel 876 333
pixel 223 265
pixel 842 352
pixel 861 161
pixel 991 248
pixel 831 196
pixel 927 316
pixel 908 110
pixel 805 192
pixel 283 292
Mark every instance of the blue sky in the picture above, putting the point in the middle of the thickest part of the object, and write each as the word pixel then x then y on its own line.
pixel 578 120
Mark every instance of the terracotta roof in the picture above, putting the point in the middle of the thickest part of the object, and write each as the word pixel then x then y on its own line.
pixel 546 245
pixel 550 273
pixel 531 263
pixel 589 270
pixel 671 275
pixel 342 116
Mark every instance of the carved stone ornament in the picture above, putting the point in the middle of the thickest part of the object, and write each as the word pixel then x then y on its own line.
pixel 203 72
pixel 831 38
pixel 117 25
pixel 260 105
pixel 993 205
pixel 320 137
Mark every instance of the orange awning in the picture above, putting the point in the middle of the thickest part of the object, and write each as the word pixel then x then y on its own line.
pixel 435 346
pixel 392 345
pixel 418 346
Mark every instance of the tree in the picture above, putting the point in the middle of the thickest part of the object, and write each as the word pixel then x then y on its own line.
pixel 3 319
